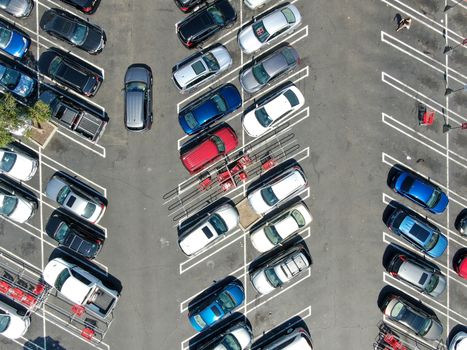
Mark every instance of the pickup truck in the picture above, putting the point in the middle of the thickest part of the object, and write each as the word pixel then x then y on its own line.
pixel 82 119
pixel 80 287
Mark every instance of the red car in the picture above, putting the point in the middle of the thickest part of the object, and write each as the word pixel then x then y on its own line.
pixel 460 266
pixel 210 148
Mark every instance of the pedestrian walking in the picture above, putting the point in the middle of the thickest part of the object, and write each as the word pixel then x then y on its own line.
pixel 404 23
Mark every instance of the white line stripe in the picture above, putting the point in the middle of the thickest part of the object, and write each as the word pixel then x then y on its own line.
pixel 102 154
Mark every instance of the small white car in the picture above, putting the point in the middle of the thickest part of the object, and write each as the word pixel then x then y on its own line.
pixel 15 205
pixel 271 109
pixel 17 165
pixel 13 324
pixel 277 190
pixel 268 28
pixel 281 227
pixel 254 4
pixel 216 224
pixel 295 339
pixel 458 341
pixel 237 337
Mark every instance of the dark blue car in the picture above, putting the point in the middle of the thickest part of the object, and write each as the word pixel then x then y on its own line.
pixel 205 110
pixel 13 41
pixel 216 306
pixel 12 80
pixel 420 191
pixel 417 231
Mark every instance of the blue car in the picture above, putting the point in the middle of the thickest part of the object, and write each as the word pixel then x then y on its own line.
pixel 13 41
pixel 205 110
pixel 417 231
pixel 216 306
pixel 420 191
pixel 17 83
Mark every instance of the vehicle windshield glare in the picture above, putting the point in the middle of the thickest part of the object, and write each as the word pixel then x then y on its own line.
pixel 199 320
pixel 216 15
pixel 272 277
pixel 190 120
pixel 272 234
pixel 226 302
pixel 216 221
pixel 80 34
pixel 8 160
pixel 4 321
pixel 62 277
pixel 230 343
pixel 7 204
pixel 89 210
pixel 433 240
pixel 63 194
pixel 220 103
pixel 432 284
pixel 5 37
pixel 263 117
pixel 260 31
pixel 219 144
pixel 434 198
pixel 398 311
pixel 135 86
pixel 211 62
pixel 268 196
pixel 55 65
pixel 289 16
pixel 62 232
pixel 10 78
pixel 260 74
pixel 298 217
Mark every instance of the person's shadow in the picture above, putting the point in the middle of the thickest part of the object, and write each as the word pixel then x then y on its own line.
pixel 397 18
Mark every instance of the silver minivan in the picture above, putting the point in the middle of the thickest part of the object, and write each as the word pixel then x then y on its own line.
pixel 295 339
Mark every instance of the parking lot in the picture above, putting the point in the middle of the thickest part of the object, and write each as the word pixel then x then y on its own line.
pixel 362 82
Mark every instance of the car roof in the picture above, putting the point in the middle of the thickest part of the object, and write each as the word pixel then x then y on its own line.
pixel 289 183
pixel 191 71
pixel 414 273
pixel 275 21
pixel 416 229
pixel 134 110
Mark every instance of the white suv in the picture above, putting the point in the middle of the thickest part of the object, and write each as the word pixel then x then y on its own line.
pixel 297 339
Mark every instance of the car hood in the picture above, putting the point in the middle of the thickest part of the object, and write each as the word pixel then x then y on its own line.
pixel 260 241
pixel 435 331
pixel 251 125
pixel 257 203
pixel 261 283
pixel 249 82
pixel 196 240
pixel 441 205
pixel 440 247
pixel 248 41
pixel 199 156
pixel 94 41
pixel 22 212
pixel 440 287
pixel 18 45
pixel 24 167
pixel 17 327
pixel 75 290
pixel 222 56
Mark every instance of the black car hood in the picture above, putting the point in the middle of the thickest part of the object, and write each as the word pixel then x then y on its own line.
pixel 94 40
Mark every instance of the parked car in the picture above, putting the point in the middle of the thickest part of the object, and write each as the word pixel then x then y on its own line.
pixel 462 223
pixel 17 8
pixel 71 71
pixel 460 266
pixel 418 231
pixel 210 107
pixel 420 191
pixel 201 67
pixel 458 341
pixel 86 6
pixel 83 239
pixel 188 5
pixel 216 306
pixel 14 80
pixel 268 28
pixel 213 226
pixel 13 322
pixel 236 337
pixel 17 164
pixel 13 41
pixel 294 339
pixel 255 4
pixel 15 203
pixel 414 318
pixel 209 148
pixel 277 190
pixel 281 227
pixel 271 109
pixel 274 65
pixel 75 196
pixel 419 274
pixel 205 22
pixel 73 30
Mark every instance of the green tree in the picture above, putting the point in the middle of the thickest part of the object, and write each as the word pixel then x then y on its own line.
pixel 39 113
pixel 9 118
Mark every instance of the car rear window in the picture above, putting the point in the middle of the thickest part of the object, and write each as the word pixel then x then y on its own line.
pixel 260 31
pixel 5 36
pixel 419 232
pixel 289 16
pixel 62 194
pixel 211 62
pixel 191 121
pixel 407 184
pixel 198 67
pixel 298 218
pixel 291 97
pixel 219 144
pixel 289 56
pixel 263 117
pixel 8 160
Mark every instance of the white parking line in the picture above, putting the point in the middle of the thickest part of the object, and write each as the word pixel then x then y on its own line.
pixel 20 259
pixel 102 154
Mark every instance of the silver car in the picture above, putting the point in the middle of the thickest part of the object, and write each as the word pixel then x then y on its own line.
pixel 138 97
pixel 17 8
pixel 201 67
pixel 280 62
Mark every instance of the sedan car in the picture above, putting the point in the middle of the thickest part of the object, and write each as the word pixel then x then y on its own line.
pixel 86 6
pixel 417 320
pixel 71 71
pixel 188 5
pixel 201 67
pixel 281 227
pixel 460 266
pixel 280 62
pixel 216 224
pixel 17 8
pixel 209 108
pixel 294 339
pixel 458 341
pixel 417 273
pixel 13 41
pixel 17 164
pixel 268 28
pixel 420 191
pixel 277 190
pixel 13 322
pixel 418 231
pixel 205 22
pixel 15 203
pixel 209 148
pixel 12 79
pixel 216 306
pixel 271 109
pixel 254 4
pixel 461 225
pixel 70 233
pixel 138 97
pixel 76 197
pixel 236 337
pixel 73 30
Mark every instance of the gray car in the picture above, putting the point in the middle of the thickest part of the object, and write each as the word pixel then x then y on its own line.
pixel 138 97
pixel 280 62
pixel 17 8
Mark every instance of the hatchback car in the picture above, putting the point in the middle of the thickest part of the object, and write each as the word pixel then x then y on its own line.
pixel 254 4
pixel 71 71
pixel 281 227
pixel 461 225
pixel 414 318
pixel 209 108
pixel 17 8
pixel 86 6
pixel 13 322
pixel 21 85
pixel 268 28
pixel 460 266
pixel 236 337
pixel 277 190
pixel 201 67
pixel 417 273
pixel 294 339
pixel 458 341
pixel 72 234
pixel 15 203
pixel 418 231
pixel 138 97
pixel 17 164
pixel 73 30
pixel 420 191
pixel 76 197
pixel 188 5
pixel 276 64
pixel 13 41
pixel 271 109
pixel 209 148
pixel 205 22
pixel 213 226
pixel 216 306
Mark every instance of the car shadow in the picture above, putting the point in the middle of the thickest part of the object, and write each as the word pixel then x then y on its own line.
pixel 393 249
pixel 284 328
pixel 83 186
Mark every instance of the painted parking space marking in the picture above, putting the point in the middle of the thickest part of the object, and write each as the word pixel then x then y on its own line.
pixel 419 339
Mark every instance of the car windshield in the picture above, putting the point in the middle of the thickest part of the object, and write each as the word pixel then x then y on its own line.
pixel 260 31
pixel 8 160
pixel 61 278
pixel 54 65
pixel 191 120
pixel 211 62
pixel 230 343
pixel 80 34
pixel 4 321
pixel 63 194
pixel 62 232
pixel 219 224
pixel 9 77
pixel 5 37
pixel 289 16
pixel 219 144
pixel 226 302
pixel 272 277
pixel 8 205
pixel 268 196
pixel 216 15
pixel 434 239
pixel 298 217
pixel 289 56
pixel 135 86
pixel 260 74
pixel 434 198
pixel 220 103
pixel 89 210
pixel 292 98
pixel 432 283
pixel 199 320
pixel 263 117
pixel 272 235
